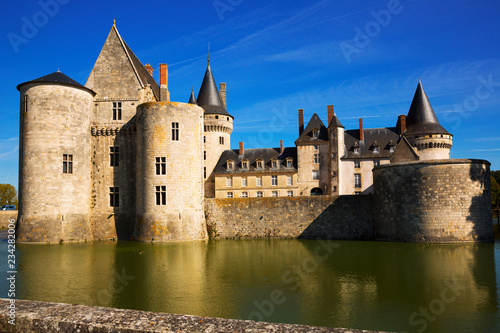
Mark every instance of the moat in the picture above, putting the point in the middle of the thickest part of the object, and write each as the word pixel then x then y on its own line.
pixel 364 285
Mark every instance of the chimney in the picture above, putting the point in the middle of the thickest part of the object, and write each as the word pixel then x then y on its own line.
pixel 361 136
pixel 301 121
pixel 241 148
pixel 330 114
pixel 222 88
pixel 149 69
pixel 401 125
pixel 281 147
pixel 164 94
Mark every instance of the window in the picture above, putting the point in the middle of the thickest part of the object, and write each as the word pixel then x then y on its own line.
pixel 230 165
pixel 357 193
pixel 114 156
pixel 216 117
pixel 258 181
pixel 289 193
pixel 357 180
pixel 357 164
pixel 244 165
pixel 259 164
pixel 274 164
pixel 25 103
pixel 391 149
pixel 204 155
pixel 221 140
pixel 315 133
pixel 315 174
pixel 375 149
pixel 356 150
pixel 317 159
pixel 244 194
pixel 161 195
pixel 114 197
pixel 289 163
pixel 175 131
pixel 67 163
pixel 316 147
pixel 289 180
pixel 161 165
pixel 244 182
pixel 117 110
pixel 204 172
pixel 376 163
pixel 259 194
pixel 274 180
pixel 229 194
pixel 229 182
pixel 204 139
pixel 274 194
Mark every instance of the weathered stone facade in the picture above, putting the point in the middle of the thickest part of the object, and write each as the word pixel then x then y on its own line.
pixel 324 217
pixel 433 201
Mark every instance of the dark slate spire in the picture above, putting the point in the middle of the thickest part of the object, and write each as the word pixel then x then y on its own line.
pixel 208 97
pixel 192 99
pixel 57 77
pixel 421 118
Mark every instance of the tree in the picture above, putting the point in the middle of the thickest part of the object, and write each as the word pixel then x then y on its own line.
pixel 8 195
pixel 495 197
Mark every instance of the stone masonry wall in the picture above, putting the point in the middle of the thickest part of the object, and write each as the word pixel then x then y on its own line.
pixel 433 201
pixel 6 216
pixel 326 217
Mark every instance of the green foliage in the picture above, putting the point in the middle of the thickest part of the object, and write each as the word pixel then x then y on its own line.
pixel 496 175
pixel 8 195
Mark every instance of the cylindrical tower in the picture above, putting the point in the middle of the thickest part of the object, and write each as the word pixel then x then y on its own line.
pixel 54 160
pixel 169 173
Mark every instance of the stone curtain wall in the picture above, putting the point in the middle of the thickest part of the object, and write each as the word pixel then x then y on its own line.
pixel 6 216
pixel 433 201
pixel 326 217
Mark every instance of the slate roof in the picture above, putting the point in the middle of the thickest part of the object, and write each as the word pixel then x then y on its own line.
pixel 208 96
pixel 192 99
pixel 307 134
pixel 335 121
pixel 383 137
pixel 57 77
pixel 252 155
pixel 421 118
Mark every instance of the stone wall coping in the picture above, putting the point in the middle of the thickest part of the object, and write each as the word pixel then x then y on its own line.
pixel 34 316
pixel 433 162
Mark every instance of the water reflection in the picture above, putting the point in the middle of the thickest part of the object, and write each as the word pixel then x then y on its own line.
pixel 368 285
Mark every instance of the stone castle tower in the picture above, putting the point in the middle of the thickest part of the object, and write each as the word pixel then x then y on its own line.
pixel 114 158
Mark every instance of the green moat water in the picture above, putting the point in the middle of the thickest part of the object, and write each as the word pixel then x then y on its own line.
pixel 365 285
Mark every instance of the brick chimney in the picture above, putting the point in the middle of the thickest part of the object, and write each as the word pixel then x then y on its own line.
pixel 401 125
pixel 330 114
pixel 223 92
pixel 164 94
pixel 149 69
pixel 301 121
pixel 281 147
pixel 241 148
pixel 361 136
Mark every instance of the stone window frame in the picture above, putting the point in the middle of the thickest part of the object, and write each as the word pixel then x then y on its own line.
pixel 114 156
pixel 317 159
pixel 244 164
pixel 315 133
pixel 244 194
pixel 391 149
pixel 357 180
pixel 221 140
pixel 229 181
pixel 205 172
pixel 25 103
pixel 161 195
pixel 244 182
pixel 289 162
pixel 357 164
pixel 114 197
pixel 230 165
pixel 289 180
pixel 67 163
pixel 289 193
pixel 175 131
pixel 260 194
pixel 274 194
pixel 160 166
pixel 259 164
pixel 274 163
pixel 229 195
pixel 376 163
pixel 315 174
pixel 274 180
pixel 204 155
pixel 376 149
pixel 117 110
pixel 258 181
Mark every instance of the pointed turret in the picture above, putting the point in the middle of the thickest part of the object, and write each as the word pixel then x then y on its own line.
pixel 208 97
pixel 192 99
pixel 421 118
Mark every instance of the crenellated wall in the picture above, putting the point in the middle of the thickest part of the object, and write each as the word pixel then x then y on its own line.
pixel 433 201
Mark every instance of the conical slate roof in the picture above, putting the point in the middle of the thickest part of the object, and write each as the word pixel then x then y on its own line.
pixel 421 118
pixel 57 77
pixel 192 99
pixel 335 121
pixel 307 135
pixel 208 97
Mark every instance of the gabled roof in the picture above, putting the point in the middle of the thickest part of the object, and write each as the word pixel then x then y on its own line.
pixel 60 78
pixel 252 155
pixel 335 121
pixel 421 118
pixel 208 96
pixel 307 135
pixel 192 99
pixel 404 152
pixel 117 57
pixel 384 138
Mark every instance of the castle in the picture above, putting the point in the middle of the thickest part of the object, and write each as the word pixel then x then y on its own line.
pixel 117 159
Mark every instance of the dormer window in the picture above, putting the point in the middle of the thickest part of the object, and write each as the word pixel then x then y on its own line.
pixel 274 163
pixel 230 165
pixel 244 164
pixel 356 148
pixel 375 149
pixel 289 162
pixel 315 133
pixel 391 149
pixel 259 164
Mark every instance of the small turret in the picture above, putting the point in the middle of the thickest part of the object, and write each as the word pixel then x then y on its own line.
pixel 192 99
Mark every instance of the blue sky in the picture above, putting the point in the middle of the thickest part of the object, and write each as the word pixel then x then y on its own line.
pixel 365 57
